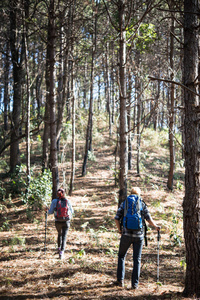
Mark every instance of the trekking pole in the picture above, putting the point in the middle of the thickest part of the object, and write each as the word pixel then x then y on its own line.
pixel 158 239
pixel 45 240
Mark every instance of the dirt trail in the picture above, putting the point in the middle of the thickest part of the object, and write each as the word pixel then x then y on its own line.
pixel 88 269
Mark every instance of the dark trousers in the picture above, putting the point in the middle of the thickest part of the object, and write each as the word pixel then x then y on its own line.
pixel 125 243
pixel 62 229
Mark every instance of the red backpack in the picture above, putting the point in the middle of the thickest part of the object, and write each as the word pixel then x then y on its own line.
pixel 62 210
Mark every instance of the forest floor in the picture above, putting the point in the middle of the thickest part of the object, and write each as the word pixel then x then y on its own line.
pixel 88 270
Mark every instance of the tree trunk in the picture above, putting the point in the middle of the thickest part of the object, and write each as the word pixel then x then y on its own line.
pixel 52 106
pixel 17 61
pixel 85 84
pixel 107 87
pixel 129 121
pixel 123 112
pixel 46 133
pixel 88 143
pixel 28 153
pixel 138 132
pixel 6 78
pixel 191 203
pixel 112 80
pixel 73 137
pixel 171 111
pixel 73 107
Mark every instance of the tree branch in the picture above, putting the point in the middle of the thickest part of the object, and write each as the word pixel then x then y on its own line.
pixel 6 145
pixel 174 82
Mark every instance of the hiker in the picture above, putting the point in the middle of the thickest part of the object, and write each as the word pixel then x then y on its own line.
pixel 63 210
pixel 131 236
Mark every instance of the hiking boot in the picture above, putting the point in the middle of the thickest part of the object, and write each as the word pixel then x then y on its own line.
pixel 61 255
pixel 119 283
pixel 135 287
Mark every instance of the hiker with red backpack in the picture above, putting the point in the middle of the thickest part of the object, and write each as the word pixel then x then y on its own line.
pixel 63 211
pixel 130 221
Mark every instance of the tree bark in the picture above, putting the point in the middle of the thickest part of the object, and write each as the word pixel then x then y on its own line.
pixel 73 107
pixel 73 136
pixel 107 87
pixel 52 104
pixel 6 78
pixel 123 112
pixel 171 111
pixel 28 153
pixel 17 61
pixel 191 203
pixel 129 121
pixel 138 129
pixel 88 143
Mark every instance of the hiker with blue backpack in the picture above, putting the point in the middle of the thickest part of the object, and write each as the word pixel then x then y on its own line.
pixel 130 221
pixel 63 211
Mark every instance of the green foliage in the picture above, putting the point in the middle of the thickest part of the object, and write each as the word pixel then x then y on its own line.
pixel 40 190
pixel 183 264
pixel 179 185
pixel 81 253
pixel 152 139
pixel 91 156
pixel 67 131
pixel 3 165
pixel 2 193
pixel 78 255
pixel 17 183
pixel 16 240
pixel 145 37
pixel 111 252
pixel 109 220
pixel 5 226
pixel 176 233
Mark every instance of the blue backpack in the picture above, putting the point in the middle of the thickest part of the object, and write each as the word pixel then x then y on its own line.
pixel 132 213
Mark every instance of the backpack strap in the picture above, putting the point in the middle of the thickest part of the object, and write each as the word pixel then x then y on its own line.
pixel 139 204
pixel 125 206
pixel 55 209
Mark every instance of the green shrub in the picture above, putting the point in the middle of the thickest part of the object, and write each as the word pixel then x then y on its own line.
pixel 17 183
pixel 176 234
pixel 5 226
pixel 40 190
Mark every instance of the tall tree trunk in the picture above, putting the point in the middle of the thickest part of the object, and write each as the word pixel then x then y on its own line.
pixel 85 84
pixel 123 112
pixel 61 75
pixel 138 132
pixel 52 104
pixel 17 61
pixel 73 136
pixel 28 153
pixel 99 94
pixel 73 106
pixel 129 121
pixel 112 80
pixel 191 203
pixel 107 87
pixel 6 78
pixel 46 133
pixel 88 143
pixel 171 111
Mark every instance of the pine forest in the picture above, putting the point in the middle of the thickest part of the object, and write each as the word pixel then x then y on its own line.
pixel 98 97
